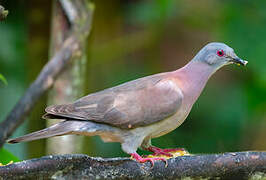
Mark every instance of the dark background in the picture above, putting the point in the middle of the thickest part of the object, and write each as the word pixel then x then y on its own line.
pixel 135 38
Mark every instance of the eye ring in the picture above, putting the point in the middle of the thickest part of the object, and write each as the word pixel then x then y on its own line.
pixel 220 53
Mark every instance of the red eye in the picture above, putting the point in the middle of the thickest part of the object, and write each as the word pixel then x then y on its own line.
pixel 220 53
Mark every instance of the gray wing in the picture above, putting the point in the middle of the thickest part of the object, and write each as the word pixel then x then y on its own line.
pixel 133 104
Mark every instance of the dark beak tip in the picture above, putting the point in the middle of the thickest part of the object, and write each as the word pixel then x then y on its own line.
pixel 244 63
pixel 239 61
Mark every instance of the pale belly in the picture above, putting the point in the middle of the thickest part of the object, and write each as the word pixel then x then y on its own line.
pixel 168 124
pixel 146 132
pixel 163 127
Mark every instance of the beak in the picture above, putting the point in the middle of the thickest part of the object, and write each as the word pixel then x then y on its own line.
pixel 239 61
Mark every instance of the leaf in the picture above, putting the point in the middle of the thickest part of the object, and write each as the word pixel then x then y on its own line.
pixel 6 157
pixel 3 79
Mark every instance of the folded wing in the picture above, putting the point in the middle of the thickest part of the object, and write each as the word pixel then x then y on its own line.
pixel 133 104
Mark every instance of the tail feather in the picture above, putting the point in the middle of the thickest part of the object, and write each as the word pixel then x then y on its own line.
pixel 59 129
pixel 77 127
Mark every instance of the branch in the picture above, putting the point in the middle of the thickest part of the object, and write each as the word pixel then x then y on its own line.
pixel 70 11
pixel 3 13
pixel 239 165
pixel 71 47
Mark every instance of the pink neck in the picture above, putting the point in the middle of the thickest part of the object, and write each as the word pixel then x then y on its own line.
pixel 192 78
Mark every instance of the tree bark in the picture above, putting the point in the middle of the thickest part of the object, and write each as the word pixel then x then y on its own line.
pixel 69 85
pixel 238 165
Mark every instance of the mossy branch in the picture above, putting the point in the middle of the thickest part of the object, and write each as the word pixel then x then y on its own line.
pixel 238 165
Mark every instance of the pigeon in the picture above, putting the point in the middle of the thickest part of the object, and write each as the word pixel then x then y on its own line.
pixel 135 112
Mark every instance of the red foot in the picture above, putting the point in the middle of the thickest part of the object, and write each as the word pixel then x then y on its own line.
pixel 142 160
pixel 159 151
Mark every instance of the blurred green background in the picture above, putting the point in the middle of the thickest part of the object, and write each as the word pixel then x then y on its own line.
pixel 135 38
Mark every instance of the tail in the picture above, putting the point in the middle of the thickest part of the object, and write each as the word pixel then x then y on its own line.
pixel 59 129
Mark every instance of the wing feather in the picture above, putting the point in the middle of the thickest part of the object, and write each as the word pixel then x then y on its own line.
pixel 133 104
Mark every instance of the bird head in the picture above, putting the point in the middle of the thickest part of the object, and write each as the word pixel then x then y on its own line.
pixel 217 55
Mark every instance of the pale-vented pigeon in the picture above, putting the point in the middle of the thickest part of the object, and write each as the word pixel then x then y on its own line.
pixel 135 112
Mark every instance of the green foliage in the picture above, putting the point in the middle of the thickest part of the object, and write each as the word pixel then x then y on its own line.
pixel 152 12
pixel 3 79
pixel 6 157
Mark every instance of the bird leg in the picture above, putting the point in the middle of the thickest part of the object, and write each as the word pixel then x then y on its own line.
pixel 166 152
pixel 140 159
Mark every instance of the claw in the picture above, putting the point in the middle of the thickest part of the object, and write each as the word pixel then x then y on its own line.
pixel 140 159
pixel 162 153
pixel 166 152
pixel 173 149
